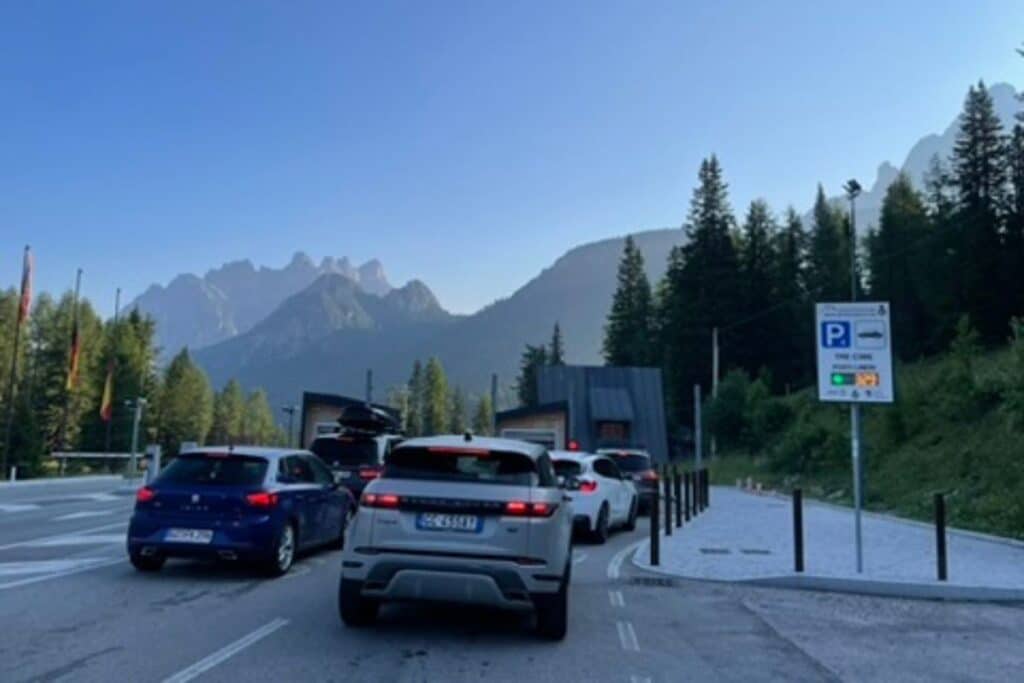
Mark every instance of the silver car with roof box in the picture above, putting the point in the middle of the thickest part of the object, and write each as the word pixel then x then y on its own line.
pixel 465 520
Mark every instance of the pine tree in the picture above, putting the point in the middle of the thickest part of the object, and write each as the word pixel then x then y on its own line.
pixel 186 404
pixel 229 412
pixel 1013 268
pixel 942 279
pixel 757 267
pixel 457 412
pixel 483 416
pixel 533 358
pixel 627 339
pixel 414 420
pixel 259 427
pixel 791 367
pixel 828 270
pixel 896 268
pixel 556 352
pixel 435 407
pixel 980 175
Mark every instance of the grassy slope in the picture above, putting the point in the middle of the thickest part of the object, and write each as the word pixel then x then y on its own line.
pixel 939 436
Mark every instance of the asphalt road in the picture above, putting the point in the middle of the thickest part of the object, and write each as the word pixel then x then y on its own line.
pixel 72 608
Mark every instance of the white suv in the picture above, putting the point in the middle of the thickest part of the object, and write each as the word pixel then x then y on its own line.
pixel 461 519
pixel 602 497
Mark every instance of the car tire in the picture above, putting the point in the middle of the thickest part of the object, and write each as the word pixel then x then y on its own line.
pixel 147 563
pixel 355 610
pixel 553 610
pixel 634 509
pixel 600 533
pixel 283 555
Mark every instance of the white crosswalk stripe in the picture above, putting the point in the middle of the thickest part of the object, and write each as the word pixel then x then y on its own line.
pixel 18 507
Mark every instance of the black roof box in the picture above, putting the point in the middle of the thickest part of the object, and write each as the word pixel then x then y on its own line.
pixel 368 419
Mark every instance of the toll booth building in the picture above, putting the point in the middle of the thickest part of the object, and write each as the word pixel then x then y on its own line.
pixel 593 407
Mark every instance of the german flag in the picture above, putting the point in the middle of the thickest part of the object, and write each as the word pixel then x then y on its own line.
pixel 107 404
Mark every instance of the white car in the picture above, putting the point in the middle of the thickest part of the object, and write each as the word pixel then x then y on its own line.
pixel 602 497
pixel 461 519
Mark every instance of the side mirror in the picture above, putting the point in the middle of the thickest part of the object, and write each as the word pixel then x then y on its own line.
pixel 338 478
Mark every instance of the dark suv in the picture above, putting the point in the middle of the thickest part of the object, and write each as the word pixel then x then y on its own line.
pixel 356 452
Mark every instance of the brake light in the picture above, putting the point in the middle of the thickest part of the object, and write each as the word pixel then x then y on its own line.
pixel 369 473
pixel 517 508
pixel 380 500
pixel 650 475
pixel 574 445
pixel 261 499
pixel 144 495
pixel 588 486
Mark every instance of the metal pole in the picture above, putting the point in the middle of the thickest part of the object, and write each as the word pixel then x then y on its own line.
pixel 291 426
pixel 677 483
pixel 113 368
pixel 698 447
pixel 686 495
pixel 655 532
pixel 798 530
pixel 369 387
pixel 852 190
pixel 494 404
pixel 132 465
pixel 667 478
pixel 940 536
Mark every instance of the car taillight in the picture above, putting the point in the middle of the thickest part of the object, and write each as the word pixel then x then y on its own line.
pixel 369 473
pixel 650 475
pixel 380 500
pixel 261 499
pixel 518 508
pixel 144 495
pixel 588 486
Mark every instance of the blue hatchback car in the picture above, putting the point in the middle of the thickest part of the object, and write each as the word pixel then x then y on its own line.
pixel 255 505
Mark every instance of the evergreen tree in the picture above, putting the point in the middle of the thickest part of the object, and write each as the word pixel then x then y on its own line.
pixel 533 358
pixel 1014 254
pixel 556 352
pixel 457 412
pixel 980 175
pixel 435 407
pixel 483 416
pixel 258 425
pixel 627 339
pixel 186 404
pixel 229 413
pixel 414 420
pixel 792 364
pixel 828 270
pixel 896 268
pixel 757 269
pixel 942 278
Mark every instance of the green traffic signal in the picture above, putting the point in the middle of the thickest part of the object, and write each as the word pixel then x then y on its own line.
pixel 838 379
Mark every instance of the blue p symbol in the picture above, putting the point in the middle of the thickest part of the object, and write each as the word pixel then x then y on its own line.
pixel 835 334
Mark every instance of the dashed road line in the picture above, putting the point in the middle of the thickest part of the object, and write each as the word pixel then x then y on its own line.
pixel 18 507
pixel 578 557
pixel 83 515
pixel 627 636
pixel 615 565
pixel 66 534
pixel 77 539
pixel 225 653
pixel 57 575
pixel 616 598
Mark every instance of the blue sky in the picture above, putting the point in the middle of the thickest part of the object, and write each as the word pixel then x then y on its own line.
pixel 468 144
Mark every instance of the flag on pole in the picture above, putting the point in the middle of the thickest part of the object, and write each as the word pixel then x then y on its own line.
pixel 76 346
pixel 26 287
pixel 107 404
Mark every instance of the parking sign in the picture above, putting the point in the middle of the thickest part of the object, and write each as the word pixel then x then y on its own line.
pixel 854 352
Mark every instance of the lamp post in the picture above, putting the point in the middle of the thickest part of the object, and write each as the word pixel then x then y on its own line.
pixel 853 189
pixel 291 418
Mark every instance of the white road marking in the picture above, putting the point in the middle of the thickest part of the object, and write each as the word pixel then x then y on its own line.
pixel 46 566
pixel 225 653
pixel 105 497
pixel 639 679
pixel 36 541
pixel 84 514
pixel 296 572
pixel 615 565
pixel 18 507
pixel 578 557
pixel 57 575
pixel 616 598
pixel 627 636
pixel 77 539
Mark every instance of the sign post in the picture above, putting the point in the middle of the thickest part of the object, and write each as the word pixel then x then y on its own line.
pixel 855 367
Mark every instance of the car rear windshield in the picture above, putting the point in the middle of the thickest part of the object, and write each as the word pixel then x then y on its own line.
pixel 346 451
pixel 567 468
pixel 203 469
pixel 461 464
pixel 632 462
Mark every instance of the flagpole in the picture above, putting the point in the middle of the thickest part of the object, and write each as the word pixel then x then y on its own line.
pixel 113 363
pixel 70 384
pixel 18 320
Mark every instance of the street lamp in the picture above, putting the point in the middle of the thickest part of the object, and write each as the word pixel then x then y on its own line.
pixel 853 189
pixel 291 410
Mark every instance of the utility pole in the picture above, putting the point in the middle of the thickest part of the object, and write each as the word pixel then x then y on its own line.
pixel 714 379
pixel 133 460
pixel 369 387
pixel 291 417
pixel 853 188
pixel 494 404
pixel 23 302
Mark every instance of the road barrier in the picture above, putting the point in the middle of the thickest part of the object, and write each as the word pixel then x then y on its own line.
pixel 655 532
pixel 940 536
pixel 666 479
pixel 677 485
pixel 707 488
pixel 686 495
pixel 798 530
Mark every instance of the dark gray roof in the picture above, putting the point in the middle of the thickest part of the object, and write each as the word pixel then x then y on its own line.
pixel 608 403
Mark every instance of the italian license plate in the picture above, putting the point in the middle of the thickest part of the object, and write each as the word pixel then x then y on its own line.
pixel 440 521
pixel 189 535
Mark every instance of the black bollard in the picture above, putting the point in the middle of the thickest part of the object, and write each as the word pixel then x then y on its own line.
pixel 667 479
pixel 655 532
pixel 700 490
pixel 707 488
pixel 798 530
pixel 940 536
pixel 686 495
pixel 677 485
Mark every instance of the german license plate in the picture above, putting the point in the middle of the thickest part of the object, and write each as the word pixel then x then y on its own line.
pixel 441 521
pixel 343 474
pixel 189 535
